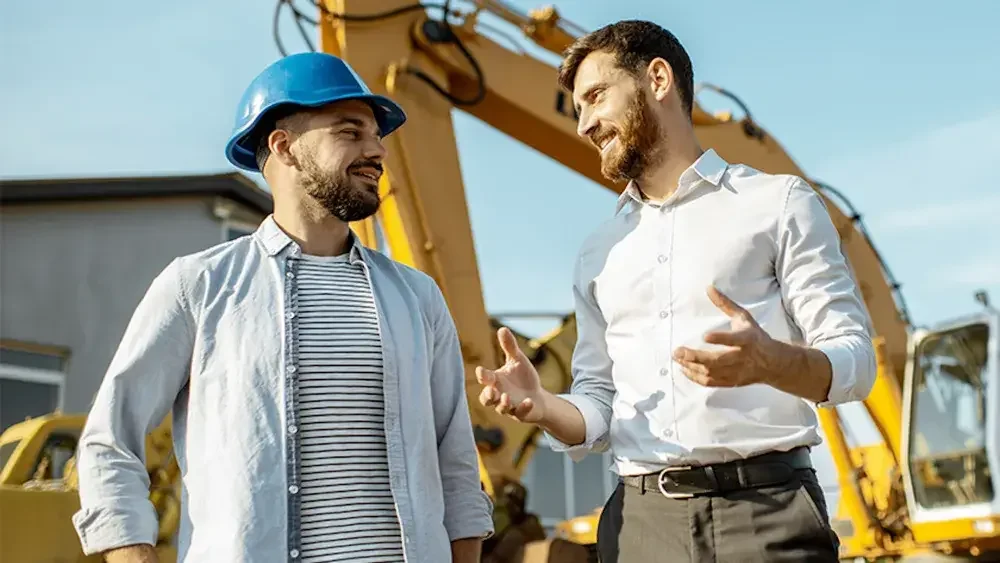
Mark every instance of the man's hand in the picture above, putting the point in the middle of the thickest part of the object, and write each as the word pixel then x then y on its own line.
pixel 752 356
pixel 514 389
pixel 745 360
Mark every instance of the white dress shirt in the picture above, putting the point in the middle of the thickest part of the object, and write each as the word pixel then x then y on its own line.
pixel 640 283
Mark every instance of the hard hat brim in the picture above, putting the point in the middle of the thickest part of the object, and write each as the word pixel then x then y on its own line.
pixel 388 114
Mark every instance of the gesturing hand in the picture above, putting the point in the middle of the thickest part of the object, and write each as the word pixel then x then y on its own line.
pixel 515 388
pixel 743 362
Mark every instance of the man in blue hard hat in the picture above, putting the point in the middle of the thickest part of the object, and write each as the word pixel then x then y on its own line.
pixel 317 386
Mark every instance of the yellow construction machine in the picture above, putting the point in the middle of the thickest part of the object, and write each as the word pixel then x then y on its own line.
pixel 926 489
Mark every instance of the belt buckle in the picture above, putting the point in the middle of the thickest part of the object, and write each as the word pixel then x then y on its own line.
pixel 661 479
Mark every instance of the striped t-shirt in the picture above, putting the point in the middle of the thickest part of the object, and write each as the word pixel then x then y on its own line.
pixel 347 511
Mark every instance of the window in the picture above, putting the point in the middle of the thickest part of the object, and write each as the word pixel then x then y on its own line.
pixel 559 488
pixel 31 383
pixel 949 427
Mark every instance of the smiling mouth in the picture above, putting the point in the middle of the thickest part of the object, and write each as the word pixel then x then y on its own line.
pixel 607 143
pixel 367 173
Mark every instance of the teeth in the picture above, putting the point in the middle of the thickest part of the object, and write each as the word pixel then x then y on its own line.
pixel 608 143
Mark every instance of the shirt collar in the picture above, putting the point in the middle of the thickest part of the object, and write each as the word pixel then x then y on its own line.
pixel 709 167
pixel 275 240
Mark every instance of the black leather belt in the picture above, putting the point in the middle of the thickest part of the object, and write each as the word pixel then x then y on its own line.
pixel 763 470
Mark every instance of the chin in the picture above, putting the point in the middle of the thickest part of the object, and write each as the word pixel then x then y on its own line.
pixel 614 170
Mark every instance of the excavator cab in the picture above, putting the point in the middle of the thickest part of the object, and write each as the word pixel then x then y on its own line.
pixel 951 429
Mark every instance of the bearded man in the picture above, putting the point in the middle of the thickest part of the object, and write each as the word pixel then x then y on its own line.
pixel 714 311
pixel 293 359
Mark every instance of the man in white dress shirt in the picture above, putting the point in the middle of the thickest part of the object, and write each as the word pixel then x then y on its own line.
pixel 715 310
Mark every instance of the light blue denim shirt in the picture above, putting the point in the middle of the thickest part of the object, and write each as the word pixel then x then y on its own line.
pixel 211 341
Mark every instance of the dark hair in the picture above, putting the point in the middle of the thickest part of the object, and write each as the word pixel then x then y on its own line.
pixel 270 121
pixel 634 44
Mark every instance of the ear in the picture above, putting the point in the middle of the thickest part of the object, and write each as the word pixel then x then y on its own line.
pixel 661 78
pixel 280 143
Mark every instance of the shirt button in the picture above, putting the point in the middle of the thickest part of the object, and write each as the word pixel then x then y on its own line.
pixel 294 553
pixel 291 315
pixel 663 371
pixel 293 489
pixel 293 429
pixel 661 258
pixel 668 433
pixel 289 274
pixel 292 369
pixel 663 314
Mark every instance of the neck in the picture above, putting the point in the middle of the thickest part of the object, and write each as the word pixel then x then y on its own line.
pixel 682 150
pixel 316 231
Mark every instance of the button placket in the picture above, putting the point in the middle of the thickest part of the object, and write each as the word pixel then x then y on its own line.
pixel 291 405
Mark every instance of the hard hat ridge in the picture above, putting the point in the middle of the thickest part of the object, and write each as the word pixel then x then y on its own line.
pixel 303 80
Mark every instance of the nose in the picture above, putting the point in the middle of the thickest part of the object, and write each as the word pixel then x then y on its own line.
pixel 587 124
pixel 374 149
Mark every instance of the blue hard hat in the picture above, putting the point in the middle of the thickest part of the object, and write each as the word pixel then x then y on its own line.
pixel 302 79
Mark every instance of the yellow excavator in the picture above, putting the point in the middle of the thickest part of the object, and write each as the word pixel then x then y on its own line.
pixel 926 491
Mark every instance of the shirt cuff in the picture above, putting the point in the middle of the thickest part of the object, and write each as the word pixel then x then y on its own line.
pixel 852 365
pixel 469 517
pixel 109 527
pixel 595 425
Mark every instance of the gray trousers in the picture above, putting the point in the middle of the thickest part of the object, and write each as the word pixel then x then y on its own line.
pixel 787 522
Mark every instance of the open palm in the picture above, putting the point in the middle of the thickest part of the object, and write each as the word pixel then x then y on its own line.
pixel 514 389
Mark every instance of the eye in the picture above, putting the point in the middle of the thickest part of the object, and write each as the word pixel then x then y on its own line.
pixel 351 133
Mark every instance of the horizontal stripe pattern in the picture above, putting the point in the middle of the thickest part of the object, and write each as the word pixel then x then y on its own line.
pixel 347 511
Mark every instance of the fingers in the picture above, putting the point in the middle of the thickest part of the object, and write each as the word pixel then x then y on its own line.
pixel 724 303
pixel 489 396
pixel 684 354
pixel 707 358
pixel 485 376
pixel 522 410
pixel 508 343
pixel 706 377
pixel 506 407
pixel 693 370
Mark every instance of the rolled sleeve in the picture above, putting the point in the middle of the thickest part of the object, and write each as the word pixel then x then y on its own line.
pixel 852 360
pixel 596 428
pixel 821 295
pixel 142 382
pixel 468 510
pixel 121 522
pixel 593 390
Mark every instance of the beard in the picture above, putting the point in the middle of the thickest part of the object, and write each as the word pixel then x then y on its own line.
pixel 640 144
pixel 345 196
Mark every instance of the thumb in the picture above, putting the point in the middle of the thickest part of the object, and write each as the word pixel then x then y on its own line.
pixel 723 302
pixel 508 343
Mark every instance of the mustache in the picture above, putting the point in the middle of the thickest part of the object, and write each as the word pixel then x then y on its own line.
pixel 598 137
pixel 365 164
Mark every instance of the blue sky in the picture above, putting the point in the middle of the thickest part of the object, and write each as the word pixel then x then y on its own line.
pixel 897 108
